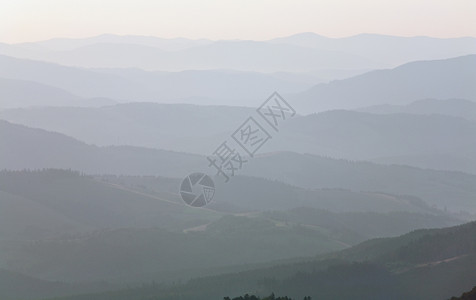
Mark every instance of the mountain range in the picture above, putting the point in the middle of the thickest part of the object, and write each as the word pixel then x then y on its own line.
pixel 439 79
pixel 122 85
pixel 421 139
pixel 27 148
pixel 367 192
pixel 297 53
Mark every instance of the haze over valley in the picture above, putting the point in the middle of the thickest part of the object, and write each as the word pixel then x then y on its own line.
pixel 139 166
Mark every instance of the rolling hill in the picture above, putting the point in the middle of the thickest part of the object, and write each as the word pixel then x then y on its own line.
pixel 136 255
pixel 24 148
pixel 60 225
pixel 16 286
pixel 413 266
pixel 312 171
pixel 250 195
pixel 422 140
pixel 27 148
pixel 21 93
pixel 179 127
pixel 51 203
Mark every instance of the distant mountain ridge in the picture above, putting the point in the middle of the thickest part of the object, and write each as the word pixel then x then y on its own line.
pixel 223 87
pixel 62 44
pixel 394 50
pixel 451 107
pixel 440 79
pixel 360 51
pixel 237 55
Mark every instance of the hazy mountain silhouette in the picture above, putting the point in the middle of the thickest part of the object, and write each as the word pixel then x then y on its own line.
pixel 300 52
pixel 64 44
pixel 224 87
pixel 441 79
pixel 450 107
pixel 393 50
pixel 452 78
pixel 80 82
pixel 22 93
pixel 180 127
pixel 236 55
pixel 26 148
pixel 429 141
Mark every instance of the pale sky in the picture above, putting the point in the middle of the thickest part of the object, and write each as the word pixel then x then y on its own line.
pixel 32 20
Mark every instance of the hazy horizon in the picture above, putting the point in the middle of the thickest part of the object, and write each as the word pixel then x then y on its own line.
pixel 32 20
pixel 236 39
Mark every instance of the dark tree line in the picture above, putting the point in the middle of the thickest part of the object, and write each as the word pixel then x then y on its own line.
pixel 471 295
pixel 270 297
